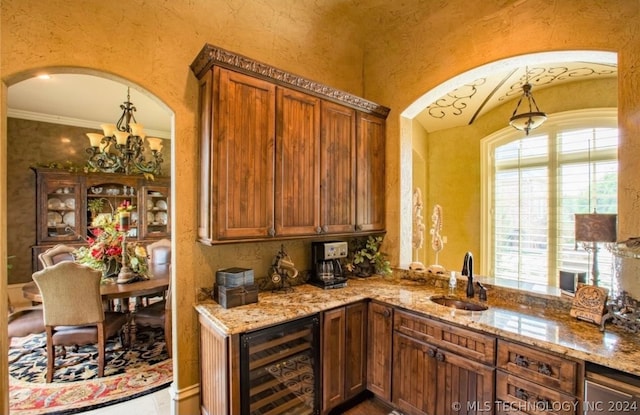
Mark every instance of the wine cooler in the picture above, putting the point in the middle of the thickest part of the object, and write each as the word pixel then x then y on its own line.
pixel 280 370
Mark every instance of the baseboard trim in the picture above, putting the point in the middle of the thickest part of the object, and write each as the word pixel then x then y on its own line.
pixel 185 401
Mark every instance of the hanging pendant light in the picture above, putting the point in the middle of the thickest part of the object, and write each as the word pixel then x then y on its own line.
pixel 121 149
pixel 527 121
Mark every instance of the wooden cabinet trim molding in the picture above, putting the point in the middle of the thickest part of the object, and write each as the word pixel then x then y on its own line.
pixel 212 55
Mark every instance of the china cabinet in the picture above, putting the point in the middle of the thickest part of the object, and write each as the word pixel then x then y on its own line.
pixel 282 156
pixel 68 202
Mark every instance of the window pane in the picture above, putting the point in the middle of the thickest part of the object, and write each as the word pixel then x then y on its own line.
pixel 540 183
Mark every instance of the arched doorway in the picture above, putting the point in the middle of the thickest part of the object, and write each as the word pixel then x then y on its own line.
pixel 54 125
pixel 451 105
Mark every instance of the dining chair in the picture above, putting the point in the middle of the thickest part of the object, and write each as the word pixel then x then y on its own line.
pixel 25 321
pixel 157 314
pixel 73 311
pixel 56 254
pixel 159 252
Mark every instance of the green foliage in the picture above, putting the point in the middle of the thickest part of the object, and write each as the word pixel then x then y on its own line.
pixel 365 255
pixel 67 165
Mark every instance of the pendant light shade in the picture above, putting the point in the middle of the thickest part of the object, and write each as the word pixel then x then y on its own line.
pixel 527 121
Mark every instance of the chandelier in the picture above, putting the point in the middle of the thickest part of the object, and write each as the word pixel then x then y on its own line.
pixel 121 148
pixel 527 121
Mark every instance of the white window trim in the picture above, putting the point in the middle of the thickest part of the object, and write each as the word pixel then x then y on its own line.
pixel 596 117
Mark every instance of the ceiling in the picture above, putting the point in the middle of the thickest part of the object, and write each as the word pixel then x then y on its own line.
pixel 87 101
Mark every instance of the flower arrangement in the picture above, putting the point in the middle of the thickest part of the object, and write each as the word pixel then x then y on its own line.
pixel 105 249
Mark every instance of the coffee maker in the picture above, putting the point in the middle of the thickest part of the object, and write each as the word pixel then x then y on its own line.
pixel 325 260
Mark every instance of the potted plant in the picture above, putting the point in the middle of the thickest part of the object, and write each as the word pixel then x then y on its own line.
pixel 366 259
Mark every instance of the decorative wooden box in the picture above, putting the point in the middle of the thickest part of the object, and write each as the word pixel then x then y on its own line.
pixel 229 297
pixel 234 277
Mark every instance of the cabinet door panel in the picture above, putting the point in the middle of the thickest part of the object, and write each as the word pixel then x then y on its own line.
pixel 333 358
pixel 297 180
pixel 379 332
pixel 414 376
pixel 244 154
pixel 370 199
pixel 338 168
pixel 355 349
pixel 463 382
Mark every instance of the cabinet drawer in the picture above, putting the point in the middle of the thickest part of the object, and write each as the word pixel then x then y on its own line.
pixel 517 395
pixel 465 342
pixel 540 367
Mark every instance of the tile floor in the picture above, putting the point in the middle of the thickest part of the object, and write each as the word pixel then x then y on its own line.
pixel 157 403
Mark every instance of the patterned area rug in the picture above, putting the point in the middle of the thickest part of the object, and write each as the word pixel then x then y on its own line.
pixel 142 369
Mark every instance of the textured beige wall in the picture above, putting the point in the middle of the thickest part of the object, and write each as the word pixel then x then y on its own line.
pixel 407 57
pixel 152 44
pixel 407 54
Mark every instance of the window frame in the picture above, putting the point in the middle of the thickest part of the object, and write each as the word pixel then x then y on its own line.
pixel 567 120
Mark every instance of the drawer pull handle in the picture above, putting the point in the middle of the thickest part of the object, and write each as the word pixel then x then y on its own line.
pixel 521 361
pixel 522 394
pixel 544 369
pixel 543 404
pixel 431 352
pixel 440 357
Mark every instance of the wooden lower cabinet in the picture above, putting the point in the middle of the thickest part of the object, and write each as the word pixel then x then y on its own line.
pixel 344 350
pixel 428 380
pixel 379 337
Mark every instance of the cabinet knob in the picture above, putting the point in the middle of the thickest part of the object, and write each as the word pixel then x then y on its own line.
pixel 440 357
pixel 431 352
pixel 325 229
pixel 271 232
pixel 386 313
pixel 521 361
pixel 318 230
pixel 358 227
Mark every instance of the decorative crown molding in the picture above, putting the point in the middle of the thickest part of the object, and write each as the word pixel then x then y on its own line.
pixel 211 55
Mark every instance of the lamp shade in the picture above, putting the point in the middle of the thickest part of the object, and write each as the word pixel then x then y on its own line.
pixel 596 227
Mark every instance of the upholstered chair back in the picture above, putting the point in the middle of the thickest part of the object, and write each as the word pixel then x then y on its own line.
pixel 71 294
pixel 56 254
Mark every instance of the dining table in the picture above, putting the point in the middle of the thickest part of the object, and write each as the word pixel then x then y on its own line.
pixel 157 282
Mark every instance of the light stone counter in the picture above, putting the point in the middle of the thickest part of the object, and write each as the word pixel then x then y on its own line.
pixel 536 322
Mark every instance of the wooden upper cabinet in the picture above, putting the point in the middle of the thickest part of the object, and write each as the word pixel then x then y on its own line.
pixel 282 156
pixel 244 129
pixel 338 168
pixel 370 173
pixel 297 180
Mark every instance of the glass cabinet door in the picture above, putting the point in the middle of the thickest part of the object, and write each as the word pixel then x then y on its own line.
pixel 105 198
pixel 60 209
pixel 154 212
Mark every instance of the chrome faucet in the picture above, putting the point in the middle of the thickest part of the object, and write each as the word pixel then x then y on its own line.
pixel 467 269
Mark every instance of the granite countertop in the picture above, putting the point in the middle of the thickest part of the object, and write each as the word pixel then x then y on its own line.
pixel 529 320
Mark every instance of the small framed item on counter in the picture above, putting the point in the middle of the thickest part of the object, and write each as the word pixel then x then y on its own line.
pixel 589 303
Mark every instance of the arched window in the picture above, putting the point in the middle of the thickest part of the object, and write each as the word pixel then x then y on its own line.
pixel 534 185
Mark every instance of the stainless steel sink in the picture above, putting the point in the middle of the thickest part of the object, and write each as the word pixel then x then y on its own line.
pixel 458 303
